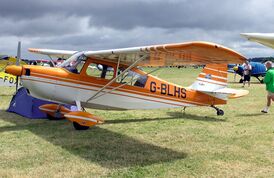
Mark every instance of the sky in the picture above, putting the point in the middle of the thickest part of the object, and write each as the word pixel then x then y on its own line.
pixel 105 24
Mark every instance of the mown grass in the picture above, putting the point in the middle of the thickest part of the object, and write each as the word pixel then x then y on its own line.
pixel 147 143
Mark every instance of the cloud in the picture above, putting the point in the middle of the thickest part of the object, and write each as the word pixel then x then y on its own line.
pixel 105 24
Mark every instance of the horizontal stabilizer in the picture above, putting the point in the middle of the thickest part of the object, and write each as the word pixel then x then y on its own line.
pixel 232 93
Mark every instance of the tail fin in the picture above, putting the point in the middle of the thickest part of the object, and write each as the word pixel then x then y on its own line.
pixel 212 77
pixel 213 81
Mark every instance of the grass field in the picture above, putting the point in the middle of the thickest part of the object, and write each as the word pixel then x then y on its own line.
pixel 154 143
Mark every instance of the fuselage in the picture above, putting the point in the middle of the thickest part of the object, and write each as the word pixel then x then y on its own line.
pixel 136 90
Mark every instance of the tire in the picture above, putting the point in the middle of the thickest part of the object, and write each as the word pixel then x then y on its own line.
pixel 220 112
pixel 79 127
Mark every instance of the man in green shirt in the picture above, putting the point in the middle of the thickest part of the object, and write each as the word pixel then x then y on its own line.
pixel 269 82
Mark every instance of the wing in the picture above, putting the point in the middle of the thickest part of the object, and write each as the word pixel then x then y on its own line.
pixel 52 52
pixel 167 54
pixel 266 39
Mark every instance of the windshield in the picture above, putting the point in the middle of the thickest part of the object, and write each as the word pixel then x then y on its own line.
pixel 74 58
pixel 75 63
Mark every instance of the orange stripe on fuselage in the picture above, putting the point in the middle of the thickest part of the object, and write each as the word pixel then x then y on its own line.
pixel 118 94
pixel 60 74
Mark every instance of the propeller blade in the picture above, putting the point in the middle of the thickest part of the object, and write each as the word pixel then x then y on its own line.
pixel 18 58
pixel 18 53
pixel 16 86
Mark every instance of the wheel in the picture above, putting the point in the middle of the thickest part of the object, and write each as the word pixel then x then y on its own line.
pixel 220 112
pixel 79 127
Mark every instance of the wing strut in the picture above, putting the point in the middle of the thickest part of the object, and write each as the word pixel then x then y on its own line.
pixel 51 60
pixel 117 76
pixel 117 68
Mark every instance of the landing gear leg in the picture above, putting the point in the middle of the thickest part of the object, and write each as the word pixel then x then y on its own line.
pixel 260 80
pixel 57 115
pixel 78 104
pixel 219 111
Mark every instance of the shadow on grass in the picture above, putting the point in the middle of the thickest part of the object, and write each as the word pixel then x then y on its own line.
pixel 183 115
pixel 97 145
pixel 174 116
pixel 251 83
pixel 251 114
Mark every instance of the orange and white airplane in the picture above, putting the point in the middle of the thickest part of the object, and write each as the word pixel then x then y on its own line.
pixel 111 79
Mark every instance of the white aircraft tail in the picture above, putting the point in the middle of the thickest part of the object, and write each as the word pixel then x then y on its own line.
pixel 213 81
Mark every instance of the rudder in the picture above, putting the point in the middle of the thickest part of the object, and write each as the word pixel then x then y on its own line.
pixel 212 77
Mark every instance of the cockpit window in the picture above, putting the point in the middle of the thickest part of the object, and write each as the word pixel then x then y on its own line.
pixel 100 71
pixel 132 78
pixel 75 64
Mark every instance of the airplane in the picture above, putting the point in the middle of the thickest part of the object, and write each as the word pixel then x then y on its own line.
pixel 266 39
pixel 78 81
pixel 258 70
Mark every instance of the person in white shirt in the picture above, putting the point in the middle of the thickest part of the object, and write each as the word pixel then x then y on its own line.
pixel 247 73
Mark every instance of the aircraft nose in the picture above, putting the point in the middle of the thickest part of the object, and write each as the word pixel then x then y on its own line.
pixel 14 70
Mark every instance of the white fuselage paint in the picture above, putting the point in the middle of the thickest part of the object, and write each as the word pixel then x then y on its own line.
pixel 68 92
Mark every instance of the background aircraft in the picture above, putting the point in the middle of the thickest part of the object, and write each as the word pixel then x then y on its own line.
pixel 7 79
pixel 258 70
pixel 266 39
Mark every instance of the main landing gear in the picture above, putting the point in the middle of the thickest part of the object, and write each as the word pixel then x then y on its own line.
pixel 219 111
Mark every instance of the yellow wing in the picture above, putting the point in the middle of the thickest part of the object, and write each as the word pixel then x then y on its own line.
pixel 8 61
pixel 7 79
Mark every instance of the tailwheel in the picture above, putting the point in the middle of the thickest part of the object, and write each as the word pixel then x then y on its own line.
pixel 79 127
pixel 219 111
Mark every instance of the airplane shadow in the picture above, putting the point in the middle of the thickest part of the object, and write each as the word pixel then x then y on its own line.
pixel 250 114
pixel 173 116
pixel 252 82
pixel 183 115
pixel 97 145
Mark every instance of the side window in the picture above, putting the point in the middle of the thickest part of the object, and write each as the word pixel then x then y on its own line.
pixel 100 71
pixel 132 78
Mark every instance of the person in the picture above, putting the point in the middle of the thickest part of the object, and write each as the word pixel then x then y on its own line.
pixel 269 82
pixel 247 73
pixel 235 68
